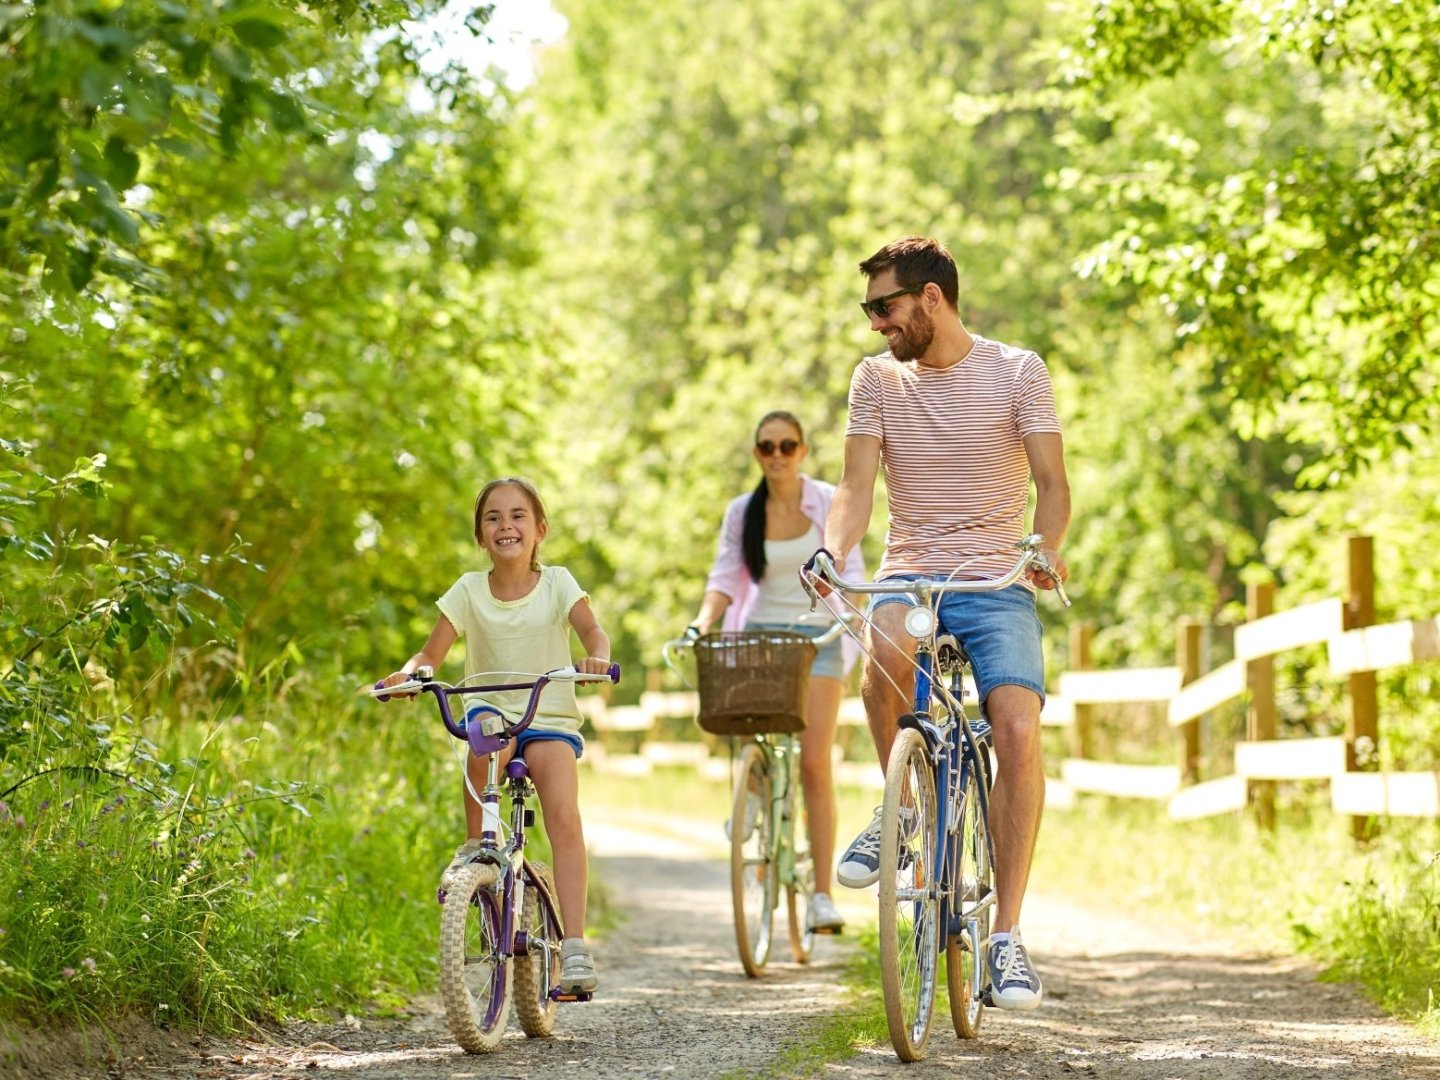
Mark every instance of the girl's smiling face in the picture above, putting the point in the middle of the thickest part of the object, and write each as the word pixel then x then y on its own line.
pixel 510 529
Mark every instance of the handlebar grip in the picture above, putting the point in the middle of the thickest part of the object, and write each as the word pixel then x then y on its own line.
pixel 380 685
pixel 614 673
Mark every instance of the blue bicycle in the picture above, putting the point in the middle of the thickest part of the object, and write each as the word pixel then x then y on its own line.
pixel 937 858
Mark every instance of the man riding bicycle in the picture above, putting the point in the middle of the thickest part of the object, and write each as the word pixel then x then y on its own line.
pixel 959 424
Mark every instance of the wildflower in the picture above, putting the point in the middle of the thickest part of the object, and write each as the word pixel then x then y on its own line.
pixel 4 811
pixel 80 843
pixel 88 963
pixel 249 853
pixel 102 899
pixel 20 821
pixel 67 973
pixel 145 918
pixel 44 806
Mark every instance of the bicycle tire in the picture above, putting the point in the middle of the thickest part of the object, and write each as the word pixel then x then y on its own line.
pixel 539 968
pixel 475 974
pixel 909 905
pixel 797 908
pixel 753 872
pixel 974 891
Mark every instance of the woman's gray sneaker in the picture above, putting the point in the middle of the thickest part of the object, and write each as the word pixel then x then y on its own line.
pixel 821 916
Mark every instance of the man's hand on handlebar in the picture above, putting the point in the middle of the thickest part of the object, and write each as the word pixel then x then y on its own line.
pixel 1058 574
pixel 813 578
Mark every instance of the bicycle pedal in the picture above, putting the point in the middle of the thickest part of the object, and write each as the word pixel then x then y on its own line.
pixel 558 995
pixel 828 931
pixel 988 999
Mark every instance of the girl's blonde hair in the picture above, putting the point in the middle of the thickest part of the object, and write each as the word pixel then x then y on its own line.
pixel 537 506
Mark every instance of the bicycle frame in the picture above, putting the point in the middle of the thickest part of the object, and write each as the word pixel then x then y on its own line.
pixel 514 872
pixel 957 746
pixel 788 870
pixel 953 750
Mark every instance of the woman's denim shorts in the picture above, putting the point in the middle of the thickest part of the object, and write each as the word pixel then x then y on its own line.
pixel 829 660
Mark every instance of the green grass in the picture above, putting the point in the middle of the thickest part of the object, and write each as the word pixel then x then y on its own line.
pixel 1368 913
pixel 275 863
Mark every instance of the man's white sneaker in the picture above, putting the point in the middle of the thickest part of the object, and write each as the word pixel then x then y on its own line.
pixel 1013 982
pixel 859 867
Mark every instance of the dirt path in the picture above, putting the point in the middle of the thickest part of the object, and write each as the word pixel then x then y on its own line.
pixel 1124 999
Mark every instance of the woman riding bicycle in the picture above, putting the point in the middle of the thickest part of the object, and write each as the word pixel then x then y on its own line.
pixel 754 583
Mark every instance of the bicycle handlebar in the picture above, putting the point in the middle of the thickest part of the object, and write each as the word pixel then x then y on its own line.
pixel 481 743
pixel 821 567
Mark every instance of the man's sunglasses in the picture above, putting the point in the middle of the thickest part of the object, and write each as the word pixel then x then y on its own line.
pixel 787 447
pixel 880 306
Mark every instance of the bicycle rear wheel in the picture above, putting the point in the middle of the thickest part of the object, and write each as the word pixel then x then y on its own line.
pixel 474 973
pixel 975 892
pixel 753 874
pixel 909 908
pixel 797 906
pixel 538 969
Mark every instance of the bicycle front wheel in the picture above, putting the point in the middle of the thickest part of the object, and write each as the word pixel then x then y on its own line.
pixel 754 875
pixel 974 900
pixel 909 906
pixel 474 972
pixel 538 968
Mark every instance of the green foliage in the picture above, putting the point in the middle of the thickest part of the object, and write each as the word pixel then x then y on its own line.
pixel 95 88
pixel 1300 256
pixel 1368 913
pixel 317 345
pixel 1387 938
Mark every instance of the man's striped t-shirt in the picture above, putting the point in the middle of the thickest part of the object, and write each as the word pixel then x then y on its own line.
pixel 951 453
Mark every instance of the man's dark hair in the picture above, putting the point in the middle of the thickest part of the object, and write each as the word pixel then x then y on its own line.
pixel 917 260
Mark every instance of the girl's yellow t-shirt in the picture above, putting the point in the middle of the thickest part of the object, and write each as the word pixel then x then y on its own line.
pixel 507 639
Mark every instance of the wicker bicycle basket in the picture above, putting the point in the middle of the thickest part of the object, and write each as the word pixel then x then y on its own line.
pixel 753 682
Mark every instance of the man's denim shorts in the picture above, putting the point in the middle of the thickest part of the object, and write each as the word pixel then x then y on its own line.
pixel 829 660
pixel 999 630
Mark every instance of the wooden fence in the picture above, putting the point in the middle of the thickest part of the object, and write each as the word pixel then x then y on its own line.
pixel 1355 649
pixel 657 731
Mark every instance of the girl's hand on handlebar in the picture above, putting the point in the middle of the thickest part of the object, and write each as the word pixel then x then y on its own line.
pixel 593 665
pixel 395 679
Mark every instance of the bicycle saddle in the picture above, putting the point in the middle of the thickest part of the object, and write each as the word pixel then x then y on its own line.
pixel 949 653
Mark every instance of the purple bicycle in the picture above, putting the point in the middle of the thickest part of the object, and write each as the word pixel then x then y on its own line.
pixel 500 928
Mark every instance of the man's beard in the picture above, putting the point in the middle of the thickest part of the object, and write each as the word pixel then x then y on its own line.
pixel 915 337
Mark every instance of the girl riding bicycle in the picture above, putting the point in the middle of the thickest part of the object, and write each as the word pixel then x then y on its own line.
pixel 516 618
pixel 754 584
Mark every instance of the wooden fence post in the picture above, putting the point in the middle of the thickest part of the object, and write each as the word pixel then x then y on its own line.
pixel 1187 659
pixel 1260 717
pixel 1362 726
pixel 1082 736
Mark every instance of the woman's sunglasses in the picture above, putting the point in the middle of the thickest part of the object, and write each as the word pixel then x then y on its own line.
pixel 787 447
